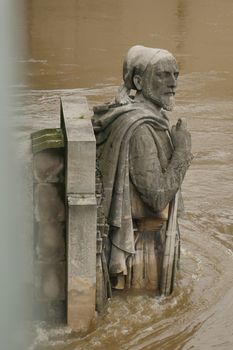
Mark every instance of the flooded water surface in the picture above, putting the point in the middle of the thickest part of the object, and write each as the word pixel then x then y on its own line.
pixel 77 47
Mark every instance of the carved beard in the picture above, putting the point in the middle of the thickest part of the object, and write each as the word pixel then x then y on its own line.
pixel 166 102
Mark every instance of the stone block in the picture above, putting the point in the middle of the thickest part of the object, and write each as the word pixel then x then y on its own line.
pixel 75 107
pixel 82 235
pixel 81 158
pixel 48 166
pixel 80 144
pixel 50 281
pixel 50 241
pixel 81 250
pixel 57 311
pixel 53 312
pixel 81 303
pixel 49 202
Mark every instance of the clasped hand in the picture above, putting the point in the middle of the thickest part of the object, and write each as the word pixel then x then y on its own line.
pixel 181 137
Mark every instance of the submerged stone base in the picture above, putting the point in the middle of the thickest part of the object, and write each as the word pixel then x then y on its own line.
pixel 65 218
pixel 49 234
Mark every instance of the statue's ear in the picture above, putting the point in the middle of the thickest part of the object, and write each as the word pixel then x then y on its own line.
pixel 137 80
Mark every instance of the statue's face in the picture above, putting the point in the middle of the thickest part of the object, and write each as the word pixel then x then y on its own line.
pixel 159 82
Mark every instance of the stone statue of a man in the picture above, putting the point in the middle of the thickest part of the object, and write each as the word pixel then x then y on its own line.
pixel 142 164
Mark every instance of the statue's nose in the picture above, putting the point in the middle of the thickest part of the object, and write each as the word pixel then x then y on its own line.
pixel 172 82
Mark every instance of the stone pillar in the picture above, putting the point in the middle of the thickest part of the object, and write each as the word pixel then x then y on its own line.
pixel 81 212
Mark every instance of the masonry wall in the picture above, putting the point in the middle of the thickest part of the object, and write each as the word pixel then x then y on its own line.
pixel 65 218
pixel 49 235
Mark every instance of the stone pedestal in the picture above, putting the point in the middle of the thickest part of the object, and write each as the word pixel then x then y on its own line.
pixel 80 211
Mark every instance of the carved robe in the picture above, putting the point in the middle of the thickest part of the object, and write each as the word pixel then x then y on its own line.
pixel 141 174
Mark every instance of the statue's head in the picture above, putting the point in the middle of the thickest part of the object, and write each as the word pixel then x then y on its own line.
pixel 153 73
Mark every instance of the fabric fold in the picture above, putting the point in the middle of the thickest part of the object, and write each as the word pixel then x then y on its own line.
pixel 117 126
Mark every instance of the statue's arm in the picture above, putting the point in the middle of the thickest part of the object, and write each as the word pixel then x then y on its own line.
pixel 155 185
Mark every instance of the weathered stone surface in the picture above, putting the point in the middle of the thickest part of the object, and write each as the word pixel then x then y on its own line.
pixel 57 311
pixel 138 281
pixel 80 164
pixel 75 107
pixel 50 241
pixel 48 166
pixel 49 229
pixel 47 139
pixel 49 202
pixel 81 303
pixel 81 261
pixel 81 248
pixel 50 281
pixel 150 261
pixel 82 236
pixel 81 149
pixel 81 210
pixel 52 311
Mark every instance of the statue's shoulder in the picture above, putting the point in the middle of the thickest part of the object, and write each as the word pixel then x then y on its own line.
pixel 105 107
pixel 106 114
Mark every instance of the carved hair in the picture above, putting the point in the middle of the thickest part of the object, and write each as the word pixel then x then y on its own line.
pixel 136 61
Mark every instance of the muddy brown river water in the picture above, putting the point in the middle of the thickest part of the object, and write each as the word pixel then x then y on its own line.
pixel 77 47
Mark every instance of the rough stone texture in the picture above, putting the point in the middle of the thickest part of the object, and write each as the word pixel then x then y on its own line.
pixel 49 204
pixel 50 241
pixel 81 213
pixel 145 266
pixel 49 235
pixel 48 166
pixel 81 147
pixel 50 281
pixel 79 177
pixel 51 310
pixel 82 230
pixel 81 303
pixel 103 284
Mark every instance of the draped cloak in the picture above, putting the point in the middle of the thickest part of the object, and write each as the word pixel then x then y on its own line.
pixel 114 129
